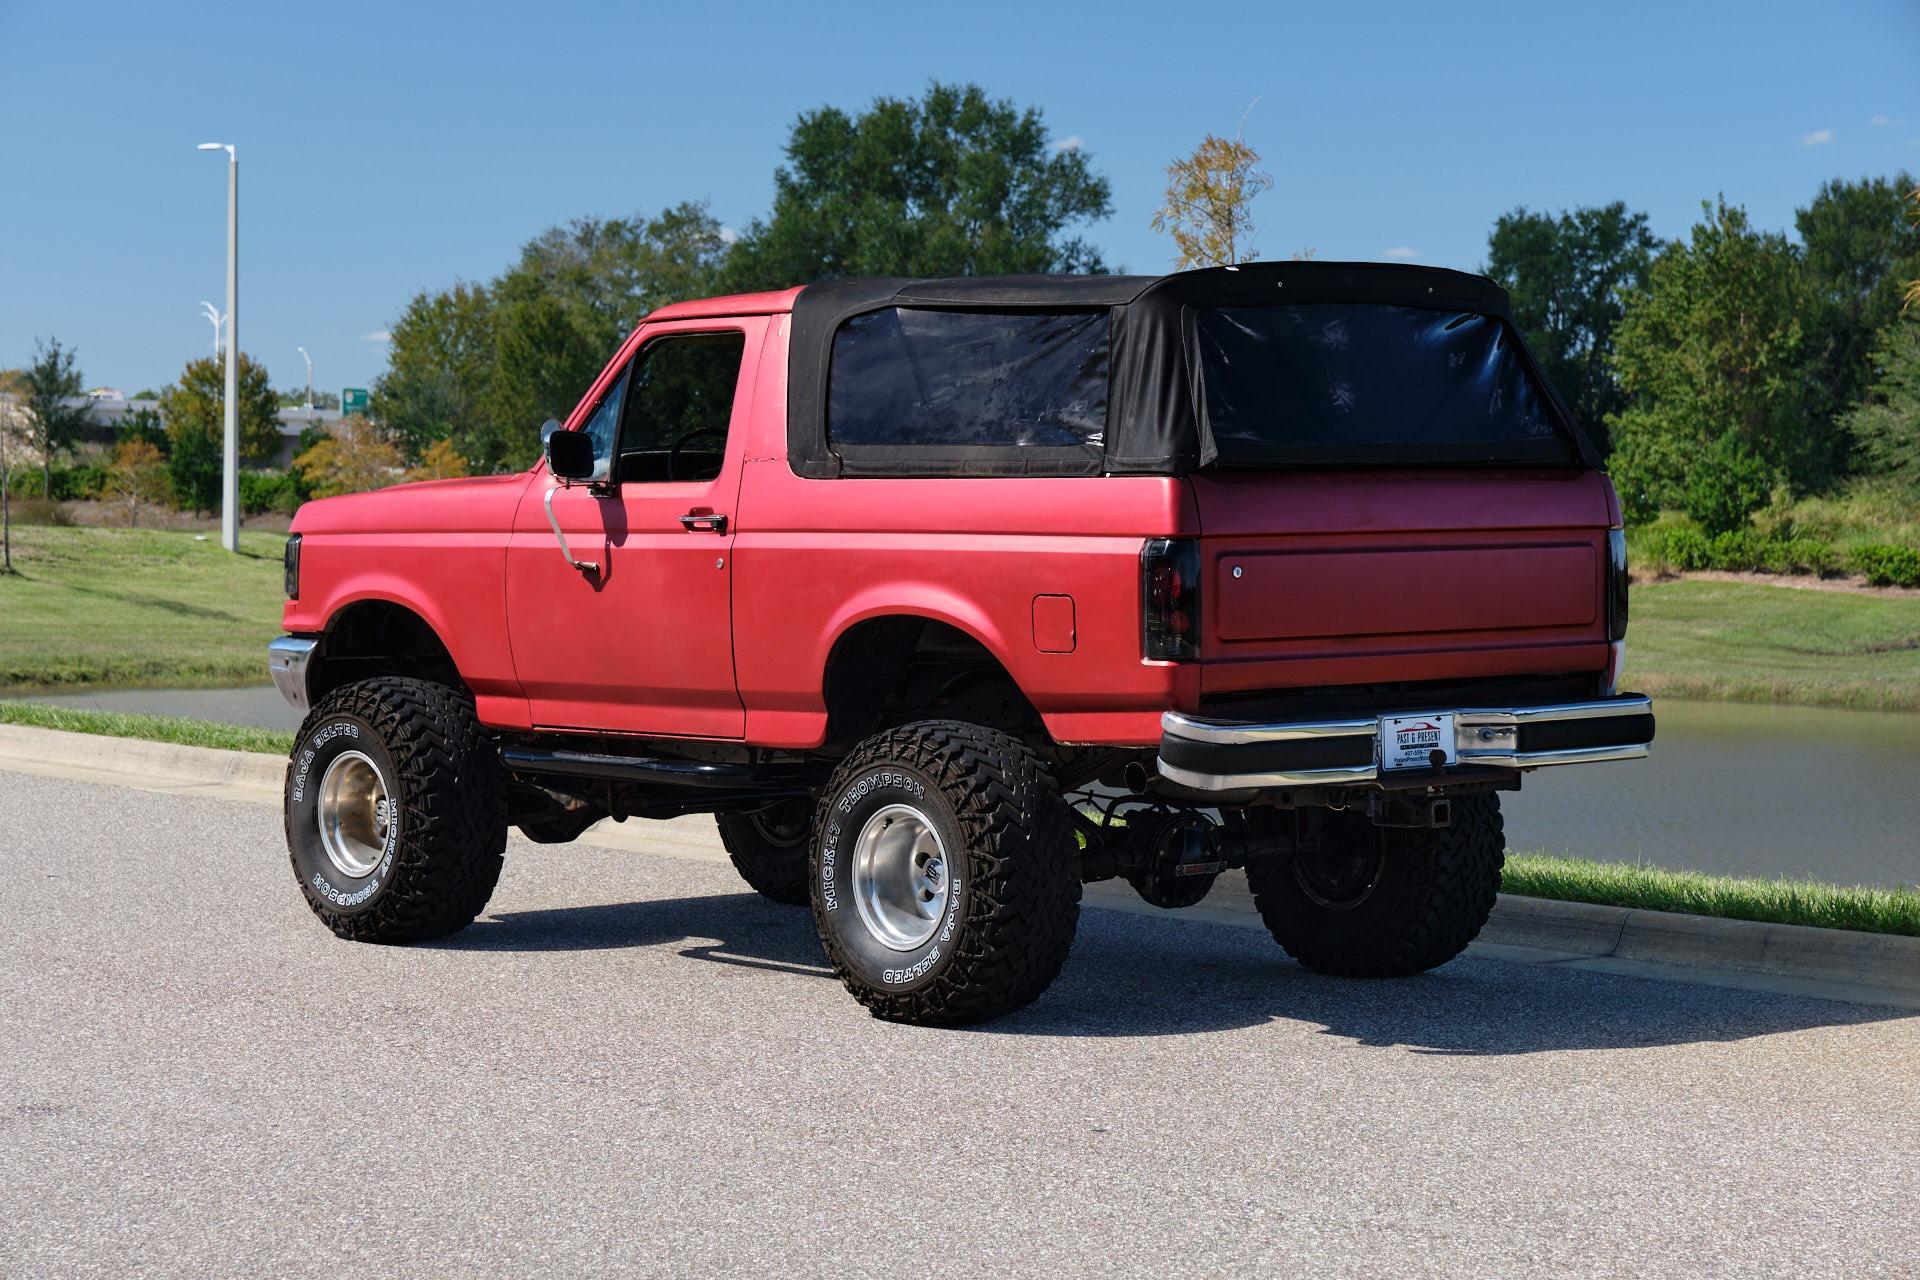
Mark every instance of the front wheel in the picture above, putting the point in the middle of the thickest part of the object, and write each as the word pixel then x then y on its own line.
pixel 944 875
pixel 1362 901
pixel 395 811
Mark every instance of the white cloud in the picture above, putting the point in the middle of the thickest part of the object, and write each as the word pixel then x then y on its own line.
pixel 1886 122
pixel 1401 251
pixel 378 335
pixel 729 236
pixel 1072 142
pixel 1818 138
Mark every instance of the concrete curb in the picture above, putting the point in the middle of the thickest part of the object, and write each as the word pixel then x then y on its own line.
pixel 1877 960
pixel 37 750
pixel 1796 959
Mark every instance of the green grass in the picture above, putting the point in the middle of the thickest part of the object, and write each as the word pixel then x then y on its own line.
pixel 1622 884
pixel 127 607
pixel 1751 642
pixel 117 724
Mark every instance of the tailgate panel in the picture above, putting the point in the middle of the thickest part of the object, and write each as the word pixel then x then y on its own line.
pixel 1360 591
pixel 1358 577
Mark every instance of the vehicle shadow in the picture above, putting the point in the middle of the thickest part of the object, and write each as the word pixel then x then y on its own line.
pixel 1134 975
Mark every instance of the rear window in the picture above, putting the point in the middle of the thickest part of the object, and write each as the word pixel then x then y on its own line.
pixel 947 379
pixel 1369 383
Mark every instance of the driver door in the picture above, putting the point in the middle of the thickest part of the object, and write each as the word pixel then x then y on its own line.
pixel 644 644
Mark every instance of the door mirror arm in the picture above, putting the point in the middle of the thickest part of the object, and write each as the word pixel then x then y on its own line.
pixel 570 459
pixel 584 566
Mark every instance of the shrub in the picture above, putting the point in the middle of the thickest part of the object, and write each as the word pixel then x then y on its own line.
pixel 75 484
pixel 1811 555
pixel 1688 548
pixel 1684 547
pixel 1728 484
pixel 1888 566
pixel 1738 551
pixel 262 491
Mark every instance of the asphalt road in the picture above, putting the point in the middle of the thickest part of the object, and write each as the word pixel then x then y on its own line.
pixel 631 1066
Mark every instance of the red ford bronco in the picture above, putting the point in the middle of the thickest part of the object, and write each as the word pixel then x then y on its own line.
pixel 947 596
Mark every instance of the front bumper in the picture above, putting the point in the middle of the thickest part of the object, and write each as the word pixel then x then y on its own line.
pixel 287 659
pixel 1220 755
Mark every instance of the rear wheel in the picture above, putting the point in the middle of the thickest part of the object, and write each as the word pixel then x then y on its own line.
pixel 769 848
pixel 944 875
pixel 1363 901
pixel 394 809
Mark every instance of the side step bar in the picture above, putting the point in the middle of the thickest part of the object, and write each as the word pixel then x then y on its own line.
pixel 705 775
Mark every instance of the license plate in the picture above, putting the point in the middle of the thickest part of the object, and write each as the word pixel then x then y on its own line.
pixel 1408 742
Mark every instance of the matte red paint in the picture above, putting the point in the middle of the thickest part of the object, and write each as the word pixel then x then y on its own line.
pixel 1348 577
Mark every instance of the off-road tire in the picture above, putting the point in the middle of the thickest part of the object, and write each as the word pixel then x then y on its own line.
pixel 443 854
pixel 775 869
pixel 1433 895
pixel 1014 897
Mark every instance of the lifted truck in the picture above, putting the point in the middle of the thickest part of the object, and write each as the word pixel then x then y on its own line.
pixel 947 596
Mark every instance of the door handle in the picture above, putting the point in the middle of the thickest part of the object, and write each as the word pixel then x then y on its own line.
pixel 711 523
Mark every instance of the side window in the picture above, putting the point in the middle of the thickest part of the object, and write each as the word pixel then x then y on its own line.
pixel 604 425
pixel 678 404
pixel 944 379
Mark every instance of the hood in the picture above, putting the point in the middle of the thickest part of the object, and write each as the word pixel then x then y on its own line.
pixel 470 504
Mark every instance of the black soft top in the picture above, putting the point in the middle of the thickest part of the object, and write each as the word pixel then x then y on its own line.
pixel 1155 424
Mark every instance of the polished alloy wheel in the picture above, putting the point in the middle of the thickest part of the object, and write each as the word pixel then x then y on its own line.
pixel 354 814
pixel 901 880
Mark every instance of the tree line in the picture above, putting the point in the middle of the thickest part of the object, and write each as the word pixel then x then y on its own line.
pixel 1731 364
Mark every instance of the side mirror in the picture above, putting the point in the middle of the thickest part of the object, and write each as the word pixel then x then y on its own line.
pixel 570 455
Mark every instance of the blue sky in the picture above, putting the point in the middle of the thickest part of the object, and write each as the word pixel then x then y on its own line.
pixel 388 148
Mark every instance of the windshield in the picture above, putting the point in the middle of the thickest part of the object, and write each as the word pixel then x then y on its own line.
pixel 1369 383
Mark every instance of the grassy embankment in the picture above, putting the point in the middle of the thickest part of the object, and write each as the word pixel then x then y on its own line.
pixel 129 607
pixel 1752 642
pixel 1623 884
pixel 117 724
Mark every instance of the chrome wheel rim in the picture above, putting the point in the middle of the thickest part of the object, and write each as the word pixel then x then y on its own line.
pixel 901 878
pixel 354 814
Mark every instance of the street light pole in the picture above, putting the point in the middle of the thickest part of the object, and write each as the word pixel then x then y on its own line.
pixel 212 313
pixel 230 479
pixel 309 360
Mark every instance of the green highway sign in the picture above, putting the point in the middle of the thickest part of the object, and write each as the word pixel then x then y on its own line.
pixel 353 400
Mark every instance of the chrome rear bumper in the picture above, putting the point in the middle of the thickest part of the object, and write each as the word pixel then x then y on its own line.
pixel 1221 755
pixel 287 659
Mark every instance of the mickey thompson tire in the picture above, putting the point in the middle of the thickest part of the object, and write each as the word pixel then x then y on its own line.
pixel 943 874
pixel 395 811
pixel 1384 902
pixel 769 848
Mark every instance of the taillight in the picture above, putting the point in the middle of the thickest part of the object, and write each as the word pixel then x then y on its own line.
pixel 1170 599
pixel 1616 584
pixel 291 562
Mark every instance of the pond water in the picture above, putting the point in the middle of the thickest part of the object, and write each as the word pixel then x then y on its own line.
pixel 1743 790
pixel 1730 788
